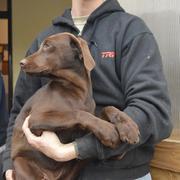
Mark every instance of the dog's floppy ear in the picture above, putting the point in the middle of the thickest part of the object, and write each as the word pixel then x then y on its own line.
pixel 88 59
pixel 83 47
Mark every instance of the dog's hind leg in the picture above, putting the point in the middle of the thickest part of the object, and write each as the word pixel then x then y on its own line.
pixel 19 142
pixel 26 170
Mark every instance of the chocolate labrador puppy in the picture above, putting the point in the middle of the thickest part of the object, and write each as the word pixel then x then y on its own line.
pixel 65 106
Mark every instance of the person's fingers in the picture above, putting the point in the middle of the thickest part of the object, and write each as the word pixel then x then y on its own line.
pixel 9 174
pixel 31 138
pixel 26 123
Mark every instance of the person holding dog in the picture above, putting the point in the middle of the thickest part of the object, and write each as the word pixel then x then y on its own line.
pixel 128 75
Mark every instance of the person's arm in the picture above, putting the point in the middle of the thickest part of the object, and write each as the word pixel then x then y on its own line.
pixel 25 87
pixel 146 98
pixel 49 144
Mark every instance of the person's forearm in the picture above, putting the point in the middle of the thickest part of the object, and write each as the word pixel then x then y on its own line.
pixel 67 152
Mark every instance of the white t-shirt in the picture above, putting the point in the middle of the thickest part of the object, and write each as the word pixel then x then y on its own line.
pixel 79 22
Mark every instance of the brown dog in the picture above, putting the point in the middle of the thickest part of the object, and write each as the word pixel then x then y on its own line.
pixel 66 106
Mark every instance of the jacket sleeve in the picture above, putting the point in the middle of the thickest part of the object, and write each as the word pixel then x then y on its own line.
pixel 146 98
pixel 25 87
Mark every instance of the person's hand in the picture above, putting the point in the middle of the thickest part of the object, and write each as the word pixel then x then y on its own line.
pixel 49 144
pixel 9 174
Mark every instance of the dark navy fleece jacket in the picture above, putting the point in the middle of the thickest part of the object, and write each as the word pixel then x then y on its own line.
pixel 128 75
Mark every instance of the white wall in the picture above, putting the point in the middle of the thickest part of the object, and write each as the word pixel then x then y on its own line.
pixel 30 17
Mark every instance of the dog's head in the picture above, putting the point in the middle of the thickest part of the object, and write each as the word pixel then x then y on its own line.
pixel 57 52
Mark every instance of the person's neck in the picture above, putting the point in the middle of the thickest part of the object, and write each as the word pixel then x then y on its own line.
pixel 84 7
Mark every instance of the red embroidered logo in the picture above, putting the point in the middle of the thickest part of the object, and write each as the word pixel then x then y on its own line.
pixel 108 54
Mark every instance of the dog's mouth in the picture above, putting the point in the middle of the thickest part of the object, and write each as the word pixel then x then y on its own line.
pixel 41 74
pixel 44 71
pixel 46 74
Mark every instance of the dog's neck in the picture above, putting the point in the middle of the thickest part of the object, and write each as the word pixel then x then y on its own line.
pixel 66 77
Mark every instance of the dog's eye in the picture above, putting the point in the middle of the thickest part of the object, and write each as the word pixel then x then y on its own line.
pixel 46 46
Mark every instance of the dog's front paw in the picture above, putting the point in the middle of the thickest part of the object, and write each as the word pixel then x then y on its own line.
pixel 127 128
pixel 108 134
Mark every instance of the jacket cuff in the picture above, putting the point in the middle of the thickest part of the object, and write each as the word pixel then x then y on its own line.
pixel 86 147
pixel 141 120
